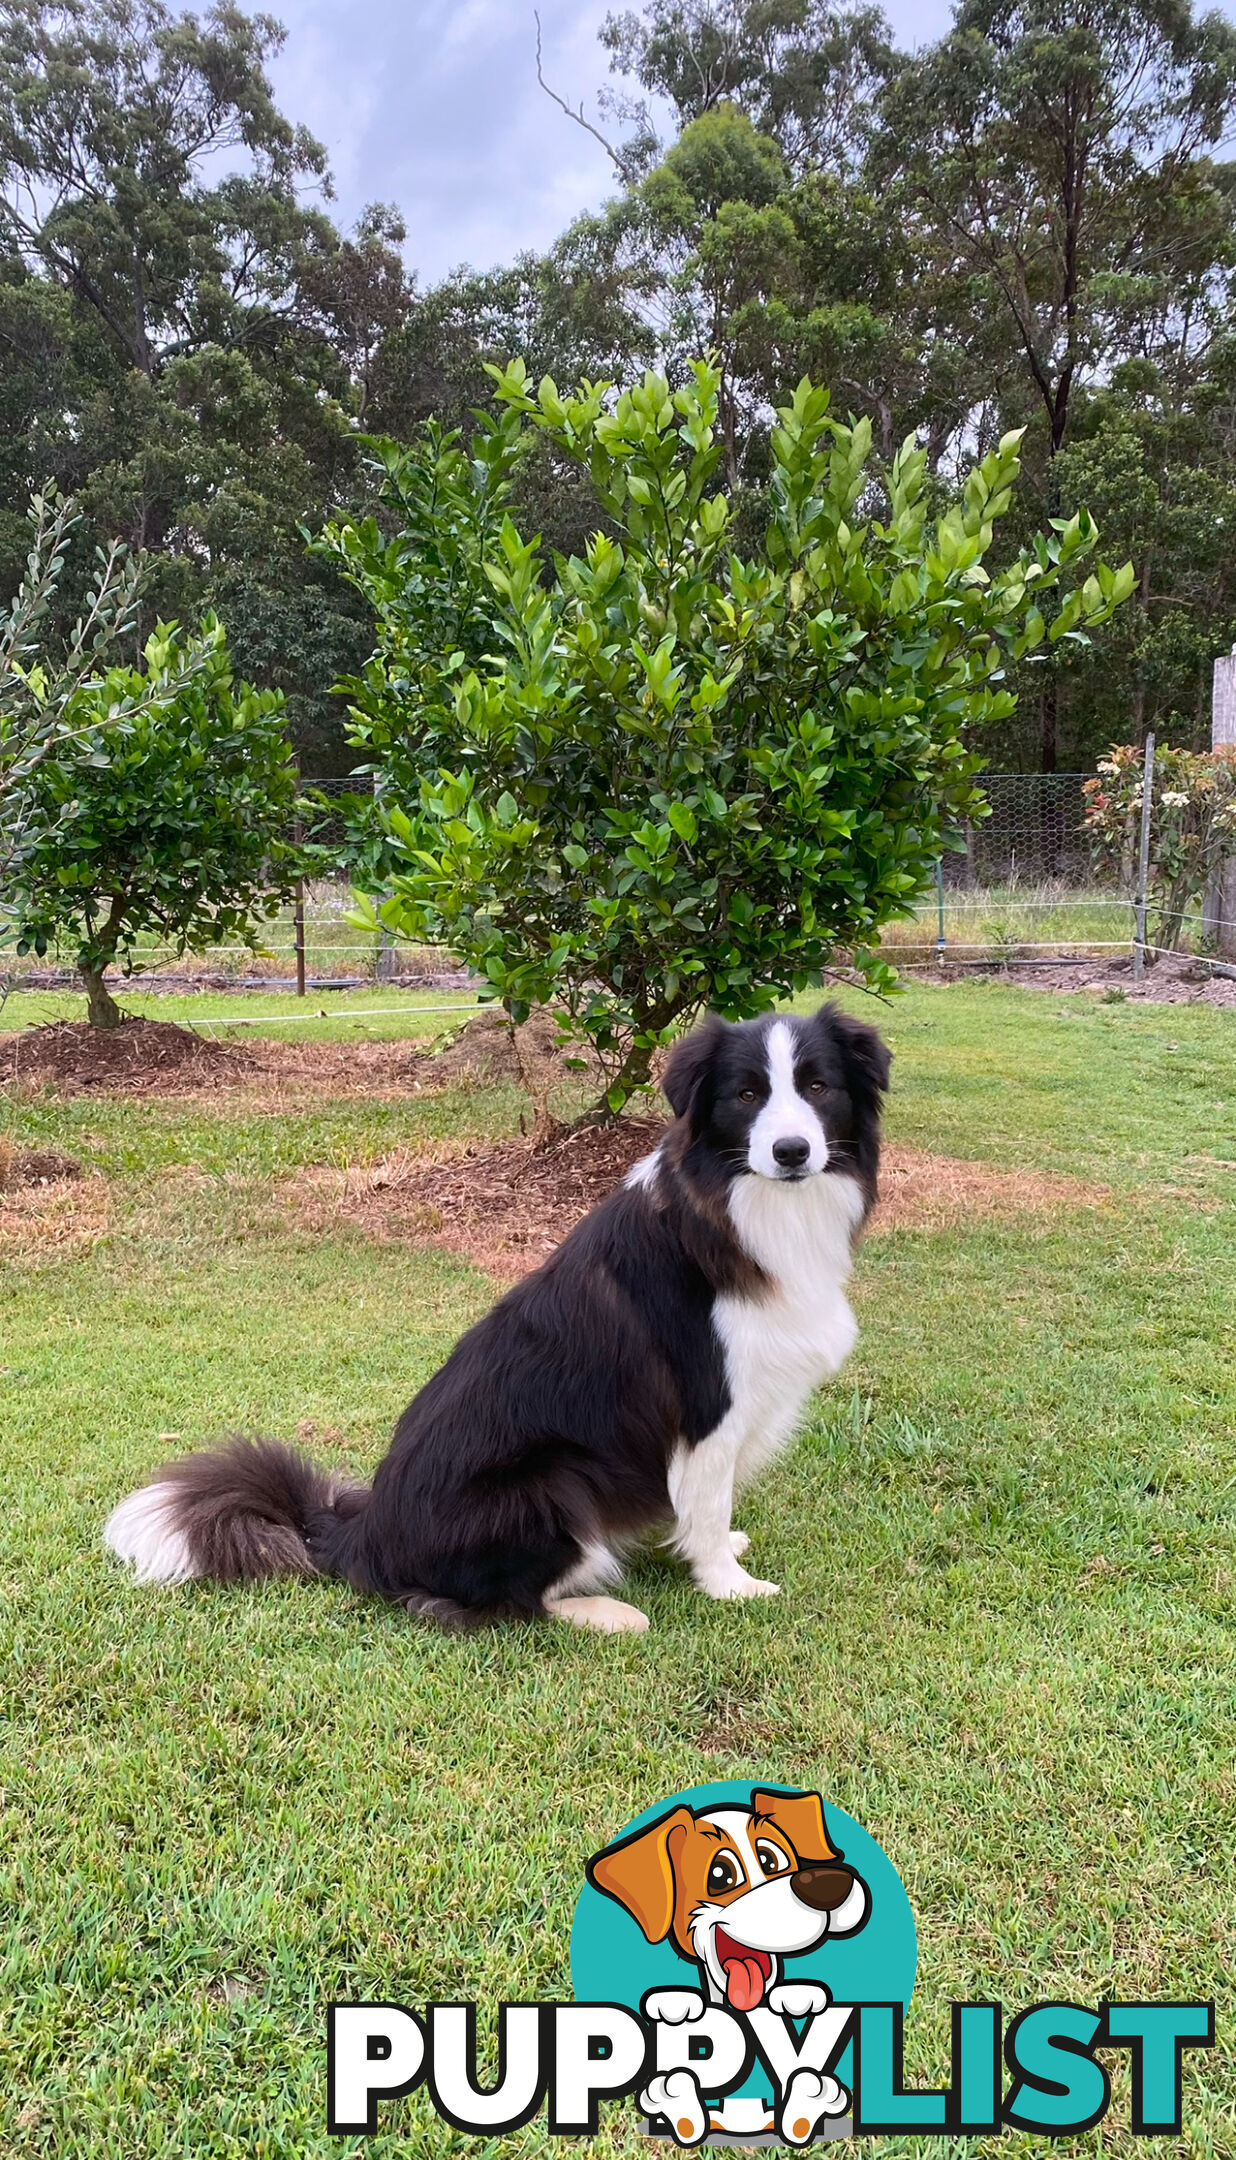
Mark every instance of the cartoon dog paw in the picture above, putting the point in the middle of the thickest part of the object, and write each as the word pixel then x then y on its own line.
pixel 676 2095
pixel 673 2006
pixel 809 2097
pixel 798 1998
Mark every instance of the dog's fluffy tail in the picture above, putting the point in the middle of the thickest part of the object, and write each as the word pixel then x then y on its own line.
pixel 235 1514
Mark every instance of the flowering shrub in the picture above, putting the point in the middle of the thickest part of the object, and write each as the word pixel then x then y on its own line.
pixel 1193 826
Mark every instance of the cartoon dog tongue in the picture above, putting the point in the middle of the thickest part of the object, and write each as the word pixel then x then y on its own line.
pixel 745 1972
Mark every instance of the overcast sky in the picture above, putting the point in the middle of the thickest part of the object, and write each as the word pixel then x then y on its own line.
pixel 434 105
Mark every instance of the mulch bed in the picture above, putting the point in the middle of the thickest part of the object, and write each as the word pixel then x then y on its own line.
pixel 138 1057
pixel 34 1166
pixel 142 1057
pixel 1170 980
pixel 505 1208
pixel 509 1206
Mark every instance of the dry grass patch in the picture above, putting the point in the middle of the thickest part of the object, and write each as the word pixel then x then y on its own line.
pixel 920 1191
pixel 49 1206
pixel 506 1207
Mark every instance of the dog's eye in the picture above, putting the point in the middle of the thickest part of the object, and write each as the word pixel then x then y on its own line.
pixel 746 1094
pixel 723 1874
pixel 771 1858
pixel 818 1087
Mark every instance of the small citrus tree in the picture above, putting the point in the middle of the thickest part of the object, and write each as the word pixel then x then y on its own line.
pixel 660 776
pixel 161 809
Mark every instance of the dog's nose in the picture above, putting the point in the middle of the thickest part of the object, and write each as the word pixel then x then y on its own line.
pixel 823 1888
pixel 791 1154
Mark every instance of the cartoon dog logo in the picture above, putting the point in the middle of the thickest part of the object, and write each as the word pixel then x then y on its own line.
pixel 737 1890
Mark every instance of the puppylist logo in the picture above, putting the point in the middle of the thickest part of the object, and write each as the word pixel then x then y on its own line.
pixel 742 1958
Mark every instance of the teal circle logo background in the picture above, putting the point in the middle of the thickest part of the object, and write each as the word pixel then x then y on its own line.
pixel 612 1962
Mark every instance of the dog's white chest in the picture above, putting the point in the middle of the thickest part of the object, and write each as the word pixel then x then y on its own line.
pixel 780 1346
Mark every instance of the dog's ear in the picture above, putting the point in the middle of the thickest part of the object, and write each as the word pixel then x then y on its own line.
pixel 688 1062
pixel 800 1816
pixel 866 1054
pixel 638 1873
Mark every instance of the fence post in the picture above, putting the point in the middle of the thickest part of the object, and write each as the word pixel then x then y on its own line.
pixel 1219 910
pixel 298 909
pixel 940 939
pixel 1143 863
pixel 299 922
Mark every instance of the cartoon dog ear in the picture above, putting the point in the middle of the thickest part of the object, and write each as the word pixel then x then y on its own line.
pixel 688 1062
pixel 801 1817
pixel 836 1890
pixel 638 1873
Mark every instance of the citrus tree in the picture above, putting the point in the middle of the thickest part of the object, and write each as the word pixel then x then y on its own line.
pixel 661 775
pixel 161 808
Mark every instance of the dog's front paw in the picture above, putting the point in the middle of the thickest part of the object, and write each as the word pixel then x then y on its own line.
pixel 798 1998
pixel 809 2097
pixel 739 1543
pixel 676 2095
pixel 673 2006
pixel 742 1585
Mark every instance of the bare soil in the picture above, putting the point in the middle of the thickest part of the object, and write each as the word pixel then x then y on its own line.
pixel 1172 979
pixel 505 1208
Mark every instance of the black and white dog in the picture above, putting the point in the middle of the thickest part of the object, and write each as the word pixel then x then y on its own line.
pixel 655 1362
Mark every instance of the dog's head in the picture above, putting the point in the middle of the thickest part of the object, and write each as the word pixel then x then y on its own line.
pixel 736 1889
pixel 784 1097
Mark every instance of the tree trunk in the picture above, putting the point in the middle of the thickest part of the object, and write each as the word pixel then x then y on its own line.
pixel 101 1007
pixel 636 1069
pixel 1049 724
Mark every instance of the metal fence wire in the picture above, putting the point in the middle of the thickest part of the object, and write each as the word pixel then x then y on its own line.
pixel 1026 887
pixel 1034 833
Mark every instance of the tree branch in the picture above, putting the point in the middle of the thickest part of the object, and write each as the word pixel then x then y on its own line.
pixel 579 118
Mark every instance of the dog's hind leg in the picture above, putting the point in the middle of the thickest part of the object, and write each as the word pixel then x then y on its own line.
pixel 608 1614
pixel 596 1568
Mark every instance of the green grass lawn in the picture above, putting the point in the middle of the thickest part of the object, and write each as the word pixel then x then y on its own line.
pixel 370 1013
pixel 1001 921
pixel 1005 1640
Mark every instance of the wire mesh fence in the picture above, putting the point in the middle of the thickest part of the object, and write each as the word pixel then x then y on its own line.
pixel 1034 834
pixel 1025 887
